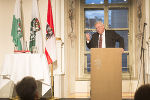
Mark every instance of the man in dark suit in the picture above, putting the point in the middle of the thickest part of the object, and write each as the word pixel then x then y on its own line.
pixel 103 38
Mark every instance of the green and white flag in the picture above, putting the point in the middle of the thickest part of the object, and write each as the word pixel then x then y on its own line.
pixel 35 30
pixel 16 31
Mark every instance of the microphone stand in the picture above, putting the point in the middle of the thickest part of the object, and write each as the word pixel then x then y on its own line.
pixel 142 53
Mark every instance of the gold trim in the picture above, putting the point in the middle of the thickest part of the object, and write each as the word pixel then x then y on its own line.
pixel 58 38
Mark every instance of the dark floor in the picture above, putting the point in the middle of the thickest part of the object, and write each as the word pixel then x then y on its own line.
pixel 84 99
pixel 61 99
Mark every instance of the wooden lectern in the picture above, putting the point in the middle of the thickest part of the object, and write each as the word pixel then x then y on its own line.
pixel 106 73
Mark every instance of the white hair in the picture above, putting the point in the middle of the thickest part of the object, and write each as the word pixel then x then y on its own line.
pixel 99 22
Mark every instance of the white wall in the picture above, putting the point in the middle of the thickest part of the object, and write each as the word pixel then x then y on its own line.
pixel 6 12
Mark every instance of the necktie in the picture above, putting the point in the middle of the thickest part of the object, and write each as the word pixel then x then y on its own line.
pixel 100 41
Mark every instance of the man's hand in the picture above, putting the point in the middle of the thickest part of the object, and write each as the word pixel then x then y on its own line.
pixel 122 50
pixel 88 37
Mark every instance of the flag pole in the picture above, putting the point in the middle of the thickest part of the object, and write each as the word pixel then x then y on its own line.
pixel 50 48
pixel 52 84
pixel 52 81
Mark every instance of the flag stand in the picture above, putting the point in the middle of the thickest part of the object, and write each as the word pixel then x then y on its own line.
pixel 52 81
pixel 52 84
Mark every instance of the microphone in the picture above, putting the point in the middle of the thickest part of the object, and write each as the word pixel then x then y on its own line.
pixel 141 34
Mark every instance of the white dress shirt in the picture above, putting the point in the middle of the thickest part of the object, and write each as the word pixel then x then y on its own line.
pixel 103 40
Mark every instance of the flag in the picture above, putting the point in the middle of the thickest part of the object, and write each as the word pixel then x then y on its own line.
pixel 16 31
pixel 35 30
pixel 50 48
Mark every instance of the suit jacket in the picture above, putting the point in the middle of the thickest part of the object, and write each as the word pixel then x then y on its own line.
pixel 111 37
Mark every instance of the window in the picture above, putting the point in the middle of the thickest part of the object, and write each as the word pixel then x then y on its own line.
pixel 115 16
pixel 94 1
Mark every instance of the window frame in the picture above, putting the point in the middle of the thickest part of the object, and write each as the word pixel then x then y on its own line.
pixel 82 52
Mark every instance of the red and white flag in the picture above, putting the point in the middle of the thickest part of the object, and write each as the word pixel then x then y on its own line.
pixel 50 48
